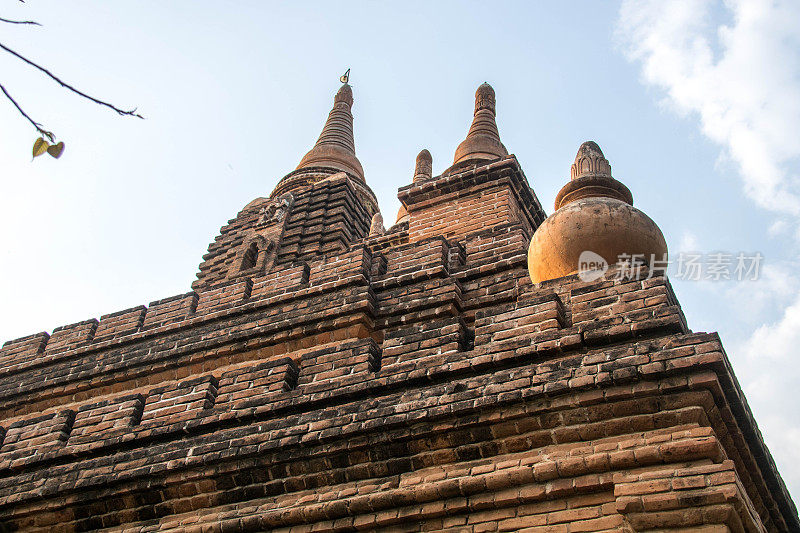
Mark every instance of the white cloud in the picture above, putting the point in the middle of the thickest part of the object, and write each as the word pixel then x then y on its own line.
pixel 778 340
pixel 689 242
pixel 782 435
pixel 740 80
pixel 778 227
pixel 776 287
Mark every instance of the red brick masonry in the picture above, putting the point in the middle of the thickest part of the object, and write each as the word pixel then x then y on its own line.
pixel 410 381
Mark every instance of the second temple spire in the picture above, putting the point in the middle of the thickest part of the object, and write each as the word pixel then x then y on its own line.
pixel 483 139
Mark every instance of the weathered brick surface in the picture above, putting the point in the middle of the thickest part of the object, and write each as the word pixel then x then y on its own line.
pixel 410 258
pixel 410 381
pixel 281 281
pixel 105 419
pixel 23 351
pixel 224 296
pixel 248 387
pixel 467 201
pixel 180 402
pixel 120 323
pixel 27 437
pixel 497 243
pixel 70 337
pixel 333 214
pixel 170 310
pixel 348 363
pixel 332 268
pixel 432 337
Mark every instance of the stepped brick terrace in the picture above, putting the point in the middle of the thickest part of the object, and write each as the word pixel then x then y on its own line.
pixel 329 374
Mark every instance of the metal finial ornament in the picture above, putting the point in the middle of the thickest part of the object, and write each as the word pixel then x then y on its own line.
pixel 344 78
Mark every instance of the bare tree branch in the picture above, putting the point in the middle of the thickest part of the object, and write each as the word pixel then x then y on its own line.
pixel 131 113
pixel 24 114
pixel 34 23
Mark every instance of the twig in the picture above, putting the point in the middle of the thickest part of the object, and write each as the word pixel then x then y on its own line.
pixel 131 113
pixel 32 22
pixel 24 114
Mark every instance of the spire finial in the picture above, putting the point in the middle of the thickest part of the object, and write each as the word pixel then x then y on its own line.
pixel 590 161
pixel 335 149
pixel 483 139
pixel 424 166
pixel 485 98
pixel 344 95
pixel 590 176
pixel 344 78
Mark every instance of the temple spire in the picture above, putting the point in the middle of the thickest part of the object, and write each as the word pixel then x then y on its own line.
pixel 483 139
pixel 335 148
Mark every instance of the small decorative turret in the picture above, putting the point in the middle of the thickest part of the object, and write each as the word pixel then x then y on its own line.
pixel 376 225
pixel 483 139
pixel 423 169
pixel 402 215
pixel 594 213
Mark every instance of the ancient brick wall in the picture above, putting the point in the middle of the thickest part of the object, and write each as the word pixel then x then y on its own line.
pixel 403 383
pixel 458 204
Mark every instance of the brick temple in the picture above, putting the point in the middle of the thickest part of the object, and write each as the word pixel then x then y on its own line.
pixel 450 372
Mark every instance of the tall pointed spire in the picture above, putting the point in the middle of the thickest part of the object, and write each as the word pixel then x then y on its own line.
pixel 335 148
pixel 483 139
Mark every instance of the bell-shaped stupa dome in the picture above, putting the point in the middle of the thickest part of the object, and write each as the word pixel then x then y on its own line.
pixel 594 213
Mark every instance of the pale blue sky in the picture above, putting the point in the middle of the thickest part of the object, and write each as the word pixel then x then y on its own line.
pixel 236 93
